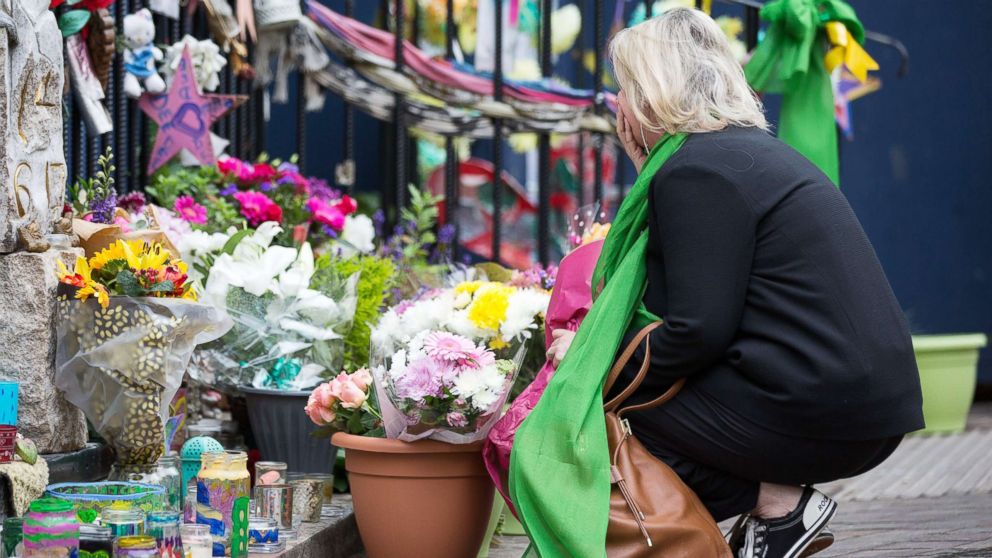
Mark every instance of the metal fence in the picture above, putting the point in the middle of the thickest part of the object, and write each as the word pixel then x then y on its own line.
pixel 245 127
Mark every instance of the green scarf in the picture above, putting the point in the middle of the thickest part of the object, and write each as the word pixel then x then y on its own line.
pixel 560 466
pixel 790 61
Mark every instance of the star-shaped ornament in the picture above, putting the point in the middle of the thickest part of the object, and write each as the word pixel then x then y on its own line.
pixel 184 117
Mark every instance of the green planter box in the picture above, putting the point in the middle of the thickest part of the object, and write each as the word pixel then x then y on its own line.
pixel 948 373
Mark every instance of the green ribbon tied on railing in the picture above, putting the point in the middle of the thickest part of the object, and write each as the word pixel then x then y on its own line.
pixel 283 372
pixel 802 38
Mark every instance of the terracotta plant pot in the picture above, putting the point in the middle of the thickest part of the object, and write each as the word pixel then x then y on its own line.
pixel 419 499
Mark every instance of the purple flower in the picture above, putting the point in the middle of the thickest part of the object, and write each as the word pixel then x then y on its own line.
pixel 266 186
pixel 329 231
pixel 286 166
pixel 229 190
pixel 133 202
pixel 102 209
pixel 419 380
pixel 320 189
pixel 446 233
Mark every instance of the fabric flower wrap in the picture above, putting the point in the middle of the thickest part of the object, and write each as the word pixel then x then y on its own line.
pixel 560 465
pixel 790 61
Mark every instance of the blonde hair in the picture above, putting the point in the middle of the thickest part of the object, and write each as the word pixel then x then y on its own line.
pixel 678 74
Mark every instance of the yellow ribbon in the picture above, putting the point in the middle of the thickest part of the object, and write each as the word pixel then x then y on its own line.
pixel 845 50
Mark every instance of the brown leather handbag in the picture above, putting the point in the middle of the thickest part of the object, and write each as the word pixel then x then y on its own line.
pixel 652 512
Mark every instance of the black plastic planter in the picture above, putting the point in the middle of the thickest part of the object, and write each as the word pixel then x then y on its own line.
pixel 283 431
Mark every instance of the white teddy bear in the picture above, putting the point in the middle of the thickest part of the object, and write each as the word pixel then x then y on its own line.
pixel 140 55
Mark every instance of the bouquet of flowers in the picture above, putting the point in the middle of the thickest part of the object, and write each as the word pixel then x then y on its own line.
pixel 128 323
pixel 239 193
pixel 443 386
pixel 286 335
pixel 492 313
pixel 464 345
pixel 345 404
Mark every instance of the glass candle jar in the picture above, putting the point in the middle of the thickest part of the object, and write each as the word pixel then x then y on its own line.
pixel 189 504
pixel 164 526
pixel 222 501
pixel 165 473
pixel 50 529
pixel 197 542
pixel 263 536
pixel 95 541
pixel 270 472
pixel 326 492
pixel 123 521
pixel 136 546
pixel 11 540
pixel 275 502
pixel 308 500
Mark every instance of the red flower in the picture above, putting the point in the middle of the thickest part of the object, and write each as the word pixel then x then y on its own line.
pixel 94 5
pixel 346 205
pixel 263 172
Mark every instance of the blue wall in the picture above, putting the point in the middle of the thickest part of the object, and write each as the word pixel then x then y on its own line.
pixel 917 172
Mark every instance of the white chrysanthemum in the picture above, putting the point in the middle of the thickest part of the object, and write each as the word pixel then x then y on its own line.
pixel 422 316
pixel 469 383
pixel 383 335
pixel 521 314
pixel 397 364
pixel 458 322
pixel 485 399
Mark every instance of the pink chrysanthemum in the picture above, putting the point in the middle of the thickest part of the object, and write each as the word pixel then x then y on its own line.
pixel 448 346
pixel 190 211
pixel 479 357
pixel 258 208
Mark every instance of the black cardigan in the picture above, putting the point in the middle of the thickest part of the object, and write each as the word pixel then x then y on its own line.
pixel 773 299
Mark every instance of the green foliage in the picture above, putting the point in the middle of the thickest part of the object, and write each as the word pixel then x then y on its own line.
pixel 377 277
pixel 97 187
pixel 421 216
pixel 173 181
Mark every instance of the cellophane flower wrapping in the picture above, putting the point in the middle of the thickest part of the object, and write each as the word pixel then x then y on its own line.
pixel 123 364
pixel 443 386
pixel 286 335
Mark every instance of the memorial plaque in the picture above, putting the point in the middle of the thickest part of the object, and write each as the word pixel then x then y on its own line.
pixel 31 80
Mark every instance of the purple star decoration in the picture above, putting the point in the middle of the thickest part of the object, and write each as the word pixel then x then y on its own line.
pixel 184 117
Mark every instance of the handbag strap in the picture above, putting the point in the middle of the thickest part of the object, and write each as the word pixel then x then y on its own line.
pixel 625 356
pixel 622 361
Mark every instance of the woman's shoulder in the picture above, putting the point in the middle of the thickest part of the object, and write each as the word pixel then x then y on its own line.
pixel 743 155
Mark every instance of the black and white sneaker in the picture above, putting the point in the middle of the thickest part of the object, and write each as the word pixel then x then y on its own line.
pixel 794 536
pixel 735 538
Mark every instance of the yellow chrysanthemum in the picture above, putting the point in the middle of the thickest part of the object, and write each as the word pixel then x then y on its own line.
pixel 115 252
pixel 468 287
pixel 497 343
pixel 488 310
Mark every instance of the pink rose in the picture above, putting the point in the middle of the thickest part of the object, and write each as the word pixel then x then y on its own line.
pixel 362 378
pixel 334 386
pixel 324 396
pixel 352 396
pixel 313 410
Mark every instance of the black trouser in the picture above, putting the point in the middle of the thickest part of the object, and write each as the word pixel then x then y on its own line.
pixel 724 458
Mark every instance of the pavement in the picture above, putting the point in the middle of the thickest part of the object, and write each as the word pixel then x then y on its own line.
pixel 932 498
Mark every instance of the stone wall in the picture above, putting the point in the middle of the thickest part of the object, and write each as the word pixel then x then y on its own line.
pixel 27 349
